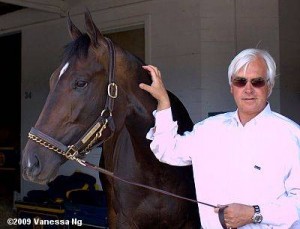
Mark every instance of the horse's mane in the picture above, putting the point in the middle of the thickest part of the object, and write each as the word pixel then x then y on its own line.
pixel 138 59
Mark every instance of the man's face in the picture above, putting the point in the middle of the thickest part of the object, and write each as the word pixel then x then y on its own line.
pixel 250 99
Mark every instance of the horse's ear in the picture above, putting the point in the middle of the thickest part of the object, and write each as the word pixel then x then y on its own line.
pixel 73 30
pixel 92 30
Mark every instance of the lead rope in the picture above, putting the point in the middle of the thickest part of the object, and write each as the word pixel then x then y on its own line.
pixel 106 172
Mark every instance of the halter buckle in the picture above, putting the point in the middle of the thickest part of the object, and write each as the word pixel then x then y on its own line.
pixel 71 153
pixel 112 90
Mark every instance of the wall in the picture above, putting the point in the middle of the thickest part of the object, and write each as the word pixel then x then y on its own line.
pixel 191 41
pixel 290 58
pixel 227 27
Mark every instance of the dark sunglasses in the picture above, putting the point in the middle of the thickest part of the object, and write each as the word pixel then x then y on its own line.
pixel 256 82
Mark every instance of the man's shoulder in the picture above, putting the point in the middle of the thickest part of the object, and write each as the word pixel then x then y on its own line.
pixel 284 122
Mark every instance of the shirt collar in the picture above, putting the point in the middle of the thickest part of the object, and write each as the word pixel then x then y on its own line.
pixel 265 112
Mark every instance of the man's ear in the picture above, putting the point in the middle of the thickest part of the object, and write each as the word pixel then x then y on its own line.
pixel 269 90
pixel 231 89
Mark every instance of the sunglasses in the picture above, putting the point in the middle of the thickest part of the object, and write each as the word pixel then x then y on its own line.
pixel 256 82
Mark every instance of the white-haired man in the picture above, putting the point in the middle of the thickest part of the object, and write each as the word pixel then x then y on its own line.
pixel 247 160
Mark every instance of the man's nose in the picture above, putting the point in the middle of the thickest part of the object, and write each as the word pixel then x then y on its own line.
pixel 249 87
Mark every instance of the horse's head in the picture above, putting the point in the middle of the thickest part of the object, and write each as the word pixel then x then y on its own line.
pixel 87 102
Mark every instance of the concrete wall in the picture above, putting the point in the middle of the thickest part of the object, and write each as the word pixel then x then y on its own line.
pixel 227 27
pixel 191 41
pixel 290 58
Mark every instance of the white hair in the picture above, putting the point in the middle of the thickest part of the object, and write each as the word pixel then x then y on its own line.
pixel 245 57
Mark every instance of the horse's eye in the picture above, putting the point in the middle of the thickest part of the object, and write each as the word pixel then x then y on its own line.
pixel 80 84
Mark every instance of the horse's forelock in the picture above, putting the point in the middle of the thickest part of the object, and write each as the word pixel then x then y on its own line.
pixel 78 48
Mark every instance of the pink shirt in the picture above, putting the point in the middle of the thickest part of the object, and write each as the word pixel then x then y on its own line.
pixel 255 164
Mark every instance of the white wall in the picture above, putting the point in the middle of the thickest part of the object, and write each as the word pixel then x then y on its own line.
pixel 191 41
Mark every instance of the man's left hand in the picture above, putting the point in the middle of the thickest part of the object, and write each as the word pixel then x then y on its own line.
pixel 237 215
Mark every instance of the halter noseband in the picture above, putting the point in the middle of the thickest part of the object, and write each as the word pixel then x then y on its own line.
pixel 98 129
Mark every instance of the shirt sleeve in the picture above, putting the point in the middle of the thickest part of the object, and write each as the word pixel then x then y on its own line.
pixel 168 146
pixel 285 210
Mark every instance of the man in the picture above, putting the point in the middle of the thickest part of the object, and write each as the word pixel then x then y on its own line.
pixel 246 160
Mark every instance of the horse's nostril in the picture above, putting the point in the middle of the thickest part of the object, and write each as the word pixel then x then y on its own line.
pixel 33 166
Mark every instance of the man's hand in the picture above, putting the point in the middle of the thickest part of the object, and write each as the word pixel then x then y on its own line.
pixel 237 215
pixel 157 88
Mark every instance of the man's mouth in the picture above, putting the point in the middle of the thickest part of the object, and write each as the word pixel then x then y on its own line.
pixel 248 99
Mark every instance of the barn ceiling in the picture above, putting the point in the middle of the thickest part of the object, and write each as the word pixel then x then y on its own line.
pixel 8 8
pixel 52 6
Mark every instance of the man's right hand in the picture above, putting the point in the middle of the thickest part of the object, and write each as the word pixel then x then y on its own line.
pixel 157 88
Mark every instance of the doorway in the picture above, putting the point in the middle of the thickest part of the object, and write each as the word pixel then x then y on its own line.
pixel 10 115
pixel 131 39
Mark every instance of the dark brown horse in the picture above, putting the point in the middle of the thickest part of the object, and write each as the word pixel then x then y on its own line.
pixel 94 98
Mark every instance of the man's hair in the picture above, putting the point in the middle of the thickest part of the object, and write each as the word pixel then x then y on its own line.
pixel 245 57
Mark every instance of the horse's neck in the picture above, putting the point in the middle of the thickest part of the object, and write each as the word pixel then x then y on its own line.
pixel 140 118
pixel 139 103
pixel 125 154
pixel 117 149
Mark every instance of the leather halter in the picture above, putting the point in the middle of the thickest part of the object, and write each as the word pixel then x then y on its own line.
pixel 103 126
